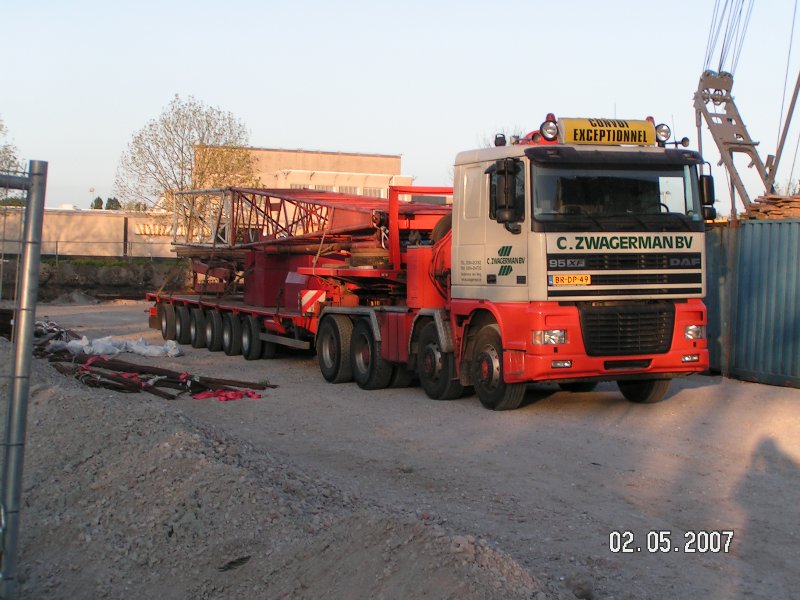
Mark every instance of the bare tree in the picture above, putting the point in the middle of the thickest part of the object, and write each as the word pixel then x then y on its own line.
pixel 9 157
pixel 487 140
pixel 189 146
pixel 10 162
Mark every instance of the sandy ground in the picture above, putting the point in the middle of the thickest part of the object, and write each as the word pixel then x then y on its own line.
pixel 523 504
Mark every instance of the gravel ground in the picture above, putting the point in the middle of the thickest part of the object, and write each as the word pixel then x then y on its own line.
pixel 319 490
pixel 125 496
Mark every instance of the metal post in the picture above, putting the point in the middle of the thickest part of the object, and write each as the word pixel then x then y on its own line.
pixel 3 255
pixel 28 278
pixel 770 183
pixel 125 237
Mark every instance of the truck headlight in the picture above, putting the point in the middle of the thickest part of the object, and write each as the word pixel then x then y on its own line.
pixel 694 332
pixel 550 337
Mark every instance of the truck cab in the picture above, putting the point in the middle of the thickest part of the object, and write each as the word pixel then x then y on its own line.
pixel 579 259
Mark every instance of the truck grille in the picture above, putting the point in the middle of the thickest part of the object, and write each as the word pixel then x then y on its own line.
pixel 617 330
pixel 627 261
pixel 647 278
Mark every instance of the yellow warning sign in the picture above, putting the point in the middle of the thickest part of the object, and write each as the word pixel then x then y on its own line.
pixel 607 132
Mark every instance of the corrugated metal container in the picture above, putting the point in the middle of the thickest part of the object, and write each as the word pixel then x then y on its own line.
pixel 720 254
pixel 765 332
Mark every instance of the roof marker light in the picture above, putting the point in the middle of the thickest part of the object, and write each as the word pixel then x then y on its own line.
pixel 549 129
pixel 663 132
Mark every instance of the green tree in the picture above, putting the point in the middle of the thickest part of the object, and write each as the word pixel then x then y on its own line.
pixel 190 145
pixel 97 203
pixel 113 204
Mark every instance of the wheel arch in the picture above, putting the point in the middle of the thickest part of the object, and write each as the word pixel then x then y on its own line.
pixel 422 318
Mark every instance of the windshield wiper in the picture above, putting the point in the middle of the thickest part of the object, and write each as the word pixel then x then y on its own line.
pixel 680 217
pixel 636 218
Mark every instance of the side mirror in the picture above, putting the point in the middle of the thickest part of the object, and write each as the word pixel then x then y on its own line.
pixel 707 190
pixel 506 170
pixel 709 213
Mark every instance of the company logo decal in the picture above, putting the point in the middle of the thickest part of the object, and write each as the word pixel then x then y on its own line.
pixel 505 260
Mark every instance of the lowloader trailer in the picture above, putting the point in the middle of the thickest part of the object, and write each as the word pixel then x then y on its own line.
pixel 573 255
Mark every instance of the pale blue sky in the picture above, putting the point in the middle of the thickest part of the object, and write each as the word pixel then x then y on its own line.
pixel 423 79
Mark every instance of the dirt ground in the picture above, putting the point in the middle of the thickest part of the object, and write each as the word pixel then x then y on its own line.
pixel 319 490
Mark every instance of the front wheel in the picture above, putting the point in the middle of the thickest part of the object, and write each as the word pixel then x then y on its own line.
pixel 646 391
pixel 436 369
pixel 487 373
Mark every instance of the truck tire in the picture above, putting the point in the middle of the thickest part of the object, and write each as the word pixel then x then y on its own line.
pixel 401 377
pixel 645 391
pixel 197 328
pixel 167 318
pixel 269 349
pixel 251 342
pixel 441 228
pixel 214 330
pixel 370 371
pixel 578 386
pixel 436 369
pixel 183 335
pixel 333 348
pixel 231 334
pixel 487 373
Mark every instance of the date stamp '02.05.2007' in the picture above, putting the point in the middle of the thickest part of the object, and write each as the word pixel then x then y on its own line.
pixel 713 541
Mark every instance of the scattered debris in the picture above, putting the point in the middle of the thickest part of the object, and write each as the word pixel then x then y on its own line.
pixel 86 360
pixel 122 376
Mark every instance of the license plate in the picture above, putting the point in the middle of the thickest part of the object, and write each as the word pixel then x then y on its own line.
pixel 571 280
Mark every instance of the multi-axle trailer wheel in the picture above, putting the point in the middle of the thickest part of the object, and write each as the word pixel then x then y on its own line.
pixel 214 329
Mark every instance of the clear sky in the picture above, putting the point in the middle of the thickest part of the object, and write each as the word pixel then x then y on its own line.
pixel 420 78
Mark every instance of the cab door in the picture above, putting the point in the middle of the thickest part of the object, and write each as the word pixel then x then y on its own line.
pixel 506 241
pixel 469 231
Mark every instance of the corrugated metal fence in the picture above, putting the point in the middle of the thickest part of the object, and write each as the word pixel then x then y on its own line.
pixel 753 301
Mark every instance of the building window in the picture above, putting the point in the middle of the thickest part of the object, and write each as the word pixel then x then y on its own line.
pixel 374 192
pixel 323 188
pixel 348 189
pixel 297 186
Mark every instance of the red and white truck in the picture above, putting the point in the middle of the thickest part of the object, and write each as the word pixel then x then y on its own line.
pixel 571 256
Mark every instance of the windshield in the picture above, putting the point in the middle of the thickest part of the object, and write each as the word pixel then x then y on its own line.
pixel 660 199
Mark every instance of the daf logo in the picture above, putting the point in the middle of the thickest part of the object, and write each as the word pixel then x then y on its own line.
pixel 685 262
